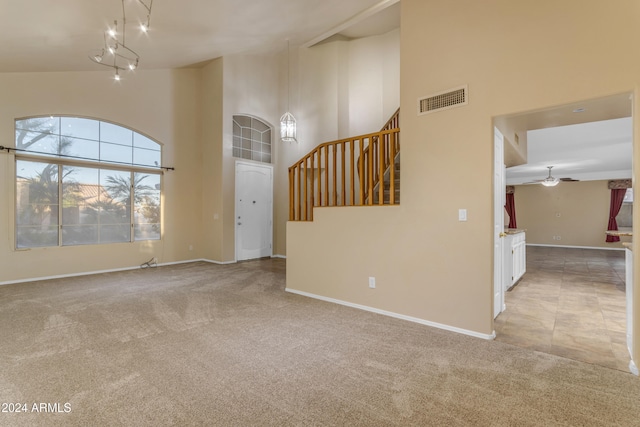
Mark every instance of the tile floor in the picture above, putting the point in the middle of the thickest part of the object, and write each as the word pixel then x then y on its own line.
pixel 570 302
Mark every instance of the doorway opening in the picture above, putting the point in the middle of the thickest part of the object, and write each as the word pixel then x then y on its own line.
pixel 571 300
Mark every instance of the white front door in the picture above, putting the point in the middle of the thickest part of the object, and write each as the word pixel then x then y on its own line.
pixel 254 210
pixel 499 197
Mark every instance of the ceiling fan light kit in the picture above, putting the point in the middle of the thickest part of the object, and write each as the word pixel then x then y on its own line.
pixel 551 181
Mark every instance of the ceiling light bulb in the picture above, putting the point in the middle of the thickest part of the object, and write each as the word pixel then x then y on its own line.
pixel 111 32
pixel 117 76
pixel 133 66
pixel 144 27
pixel 98 58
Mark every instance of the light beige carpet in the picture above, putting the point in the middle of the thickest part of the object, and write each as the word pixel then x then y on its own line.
pixel 202 344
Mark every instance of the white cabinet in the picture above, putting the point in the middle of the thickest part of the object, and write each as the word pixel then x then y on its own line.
pixel 629 291
pixel 515 258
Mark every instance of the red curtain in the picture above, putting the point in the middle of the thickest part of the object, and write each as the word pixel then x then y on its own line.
pixel 511 210
pixel 617 196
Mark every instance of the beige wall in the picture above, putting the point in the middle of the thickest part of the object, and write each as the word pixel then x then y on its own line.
pixel 578 212
pixel 374 82
pixel 515 57
pixel 212 170
pixel 162 104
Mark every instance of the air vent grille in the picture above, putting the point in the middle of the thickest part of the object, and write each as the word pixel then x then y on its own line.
pixel 443 100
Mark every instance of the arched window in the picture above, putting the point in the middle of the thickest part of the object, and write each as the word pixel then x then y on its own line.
pixel 84 181
pixel 251 139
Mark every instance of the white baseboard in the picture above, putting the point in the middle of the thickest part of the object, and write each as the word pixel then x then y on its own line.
pixel 279 256
pixel 633 368
pixel 88 273
pixel 217 262
pixel 395 315
pixel 575 247
pixel 62 276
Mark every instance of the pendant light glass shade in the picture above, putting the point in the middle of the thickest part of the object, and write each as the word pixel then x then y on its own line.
pixel 287 121
pixel 288 128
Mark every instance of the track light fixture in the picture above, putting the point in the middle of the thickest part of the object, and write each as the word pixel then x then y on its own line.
pixel 119 56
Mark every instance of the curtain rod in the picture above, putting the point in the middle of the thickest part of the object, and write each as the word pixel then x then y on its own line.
pixel 10 149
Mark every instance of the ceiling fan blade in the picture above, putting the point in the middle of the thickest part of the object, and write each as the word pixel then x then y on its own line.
pixel 569 180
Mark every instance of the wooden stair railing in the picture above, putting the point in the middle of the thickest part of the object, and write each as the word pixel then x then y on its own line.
pixel 339 173
pixel 392 123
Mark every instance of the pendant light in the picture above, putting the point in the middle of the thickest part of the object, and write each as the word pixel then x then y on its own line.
pixel 287 121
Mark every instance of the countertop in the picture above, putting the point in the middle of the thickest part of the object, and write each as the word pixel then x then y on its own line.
pixel 514 230
pixel 619 233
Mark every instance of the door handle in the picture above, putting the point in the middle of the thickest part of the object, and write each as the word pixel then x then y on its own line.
pixel 502 234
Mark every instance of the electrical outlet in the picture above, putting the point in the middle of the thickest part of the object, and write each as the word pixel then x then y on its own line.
pixel 372 282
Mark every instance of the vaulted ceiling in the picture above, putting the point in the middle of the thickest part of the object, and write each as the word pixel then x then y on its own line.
pixel 45 35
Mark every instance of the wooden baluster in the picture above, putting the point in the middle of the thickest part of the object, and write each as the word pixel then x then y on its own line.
pixel 352 194
pixel 312 199
pixel 319 176
pixel 335 176
pixel 376 159
pixel 291 195
pixel 343 196
pixel 383 159
pixel 370 172
pixel 362 172
pixel 304 191
pixel 326 175
pixel 299 191
pixel 392 169
pixel 380 170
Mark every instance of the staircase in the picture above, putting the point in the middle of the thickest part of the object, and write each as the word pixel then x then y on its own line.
pixel 348 172
pixel 386 182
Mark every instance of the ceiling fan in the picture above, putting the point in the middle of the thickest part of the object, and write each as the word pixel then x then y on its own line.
pixel 551 181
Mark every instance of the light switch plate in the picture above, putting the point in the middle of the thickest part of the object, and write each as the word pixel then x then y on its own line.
pixel 462 214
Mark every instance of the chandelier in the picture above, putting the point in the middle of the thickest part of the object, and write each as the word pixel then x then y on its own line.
pixel 115 53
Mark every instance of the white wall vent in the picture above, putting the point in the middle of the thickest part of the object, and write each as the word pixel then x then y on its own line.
pixel 443 100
